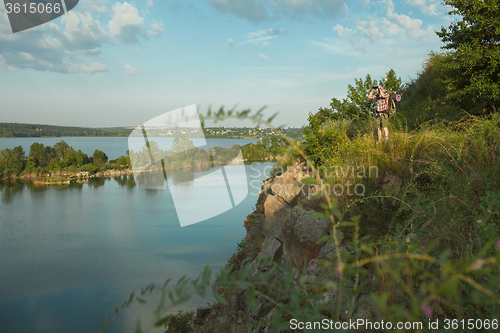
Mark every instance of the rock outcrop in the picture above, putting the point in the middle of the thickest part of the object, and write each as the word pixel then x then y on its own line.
pixel 280 230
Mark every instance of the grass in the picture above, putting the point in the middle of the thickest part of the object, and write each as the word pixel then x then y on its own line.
pixel 446 171
pixel 51 180
pixel 426 247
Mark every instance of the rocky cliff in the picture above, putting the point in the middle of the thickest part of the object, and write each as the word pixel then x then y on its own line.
pixel 280 230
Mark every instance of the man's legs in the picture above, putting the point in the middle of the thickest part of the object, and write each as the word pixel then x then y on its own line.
pixel 386 134
pixel 384 124
pixel 378 124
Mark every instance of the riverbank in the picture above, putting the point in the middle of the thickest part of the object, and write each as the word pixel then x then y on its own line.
pixel 63 177
pixel 63 160
pixel 384 246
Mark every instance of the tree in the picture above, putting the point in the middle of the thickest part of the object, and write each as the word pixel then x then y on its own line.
pixel 357 105
pixel 12 161
pixel 38 154
pixel 62 149
pixel 99 156
pixel 472 66
pixel 392 82
pixel 50 152
pixel 182 143
pixel 81 158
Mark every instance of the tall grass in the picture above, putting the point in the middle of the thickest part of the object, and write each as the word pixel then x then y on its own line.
pixel 448 173
pixel 426 248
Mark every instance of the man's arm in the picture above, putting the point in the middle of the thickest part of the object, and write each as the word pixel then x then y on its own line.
pixel 383 93
pixel 372 94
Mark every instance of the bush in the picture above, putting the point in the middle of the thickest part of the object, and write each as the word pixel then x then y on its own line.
pixel 180 322
pixel 89 167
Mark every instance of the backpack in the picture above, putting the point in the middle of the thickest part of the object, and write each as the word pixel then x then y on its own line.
pixel 393 98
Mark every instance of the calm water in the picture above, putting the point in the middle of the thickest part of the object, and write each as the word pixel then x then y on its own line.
pixel 113 147
pixel 69 253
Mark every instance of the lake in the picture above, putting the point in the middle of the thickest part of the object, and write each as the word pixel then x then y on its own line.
pixel 114 147
pixel 68 254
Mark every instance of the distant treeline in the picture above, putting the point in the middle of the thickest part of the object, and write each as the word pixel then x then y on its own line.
pixel 41 159
pixel 15 130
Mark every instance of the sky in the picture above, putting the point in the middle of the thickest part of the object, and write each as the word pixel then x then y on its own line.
pixel 108 63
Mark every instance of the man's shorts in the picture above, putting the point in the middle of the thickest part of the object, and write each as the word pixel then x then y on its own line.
pixel 382 120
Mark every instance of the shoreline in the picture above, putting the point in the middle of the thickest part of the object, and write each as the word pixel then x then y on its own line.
pixel 66 177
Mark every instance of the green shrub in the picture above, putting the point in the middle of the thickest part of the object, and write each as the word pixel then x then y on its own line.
pixel 180 322
pixel 240 246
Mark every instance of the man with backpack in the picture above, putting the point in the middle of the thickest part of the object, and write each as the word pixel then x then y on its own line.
pixel 382 116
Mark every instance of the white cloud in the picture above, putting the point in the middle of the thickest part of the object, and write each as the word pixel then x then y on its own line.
pixel 252 10
pixel 262 56
pixel 429 9
pixel 126 23
pixel 4 64
pixel 230 42
pixel 82 32
pixel 26 56
pixel 262 10
pixel 391 28
pixel 264 35
pixel 129 69
pixel 49 43
pixel 447 20
pixel 94 6
pixel 61 46
pixel 342 31
pixel 261 37
pixel 94 67
pixel 55 48
pixel 341 47
pixel 413 26
pixel 156 28
pixel 369 29
pixel 387 27
pixel 326 9
pixel 364 3
pixel 175 7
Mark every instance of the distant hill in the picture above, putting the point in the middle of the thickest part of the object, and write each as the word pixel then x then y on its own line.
pixel 15 130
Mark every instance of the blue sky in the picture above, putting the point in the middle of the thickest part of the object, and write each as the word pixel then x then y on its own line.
pixel 108 63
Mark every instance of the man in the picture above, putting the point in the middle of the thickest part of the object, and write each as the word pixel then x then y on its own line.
pixel 382 118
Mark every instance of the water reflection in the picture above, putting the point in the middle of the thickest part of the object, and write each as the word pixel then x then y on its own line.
pixel 154 179
pixel 126 181
pixel 96 182
pixel 10 190
pixel 72 252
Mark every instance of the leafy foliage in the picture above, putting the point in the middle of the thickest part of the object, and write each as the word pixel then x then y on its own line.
pixel 472 67
pixel 357 105
pixel 440 254
pixel 180 322
pixel 12 161
pixel 424 98
pixel 11 130
pixel 41 158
